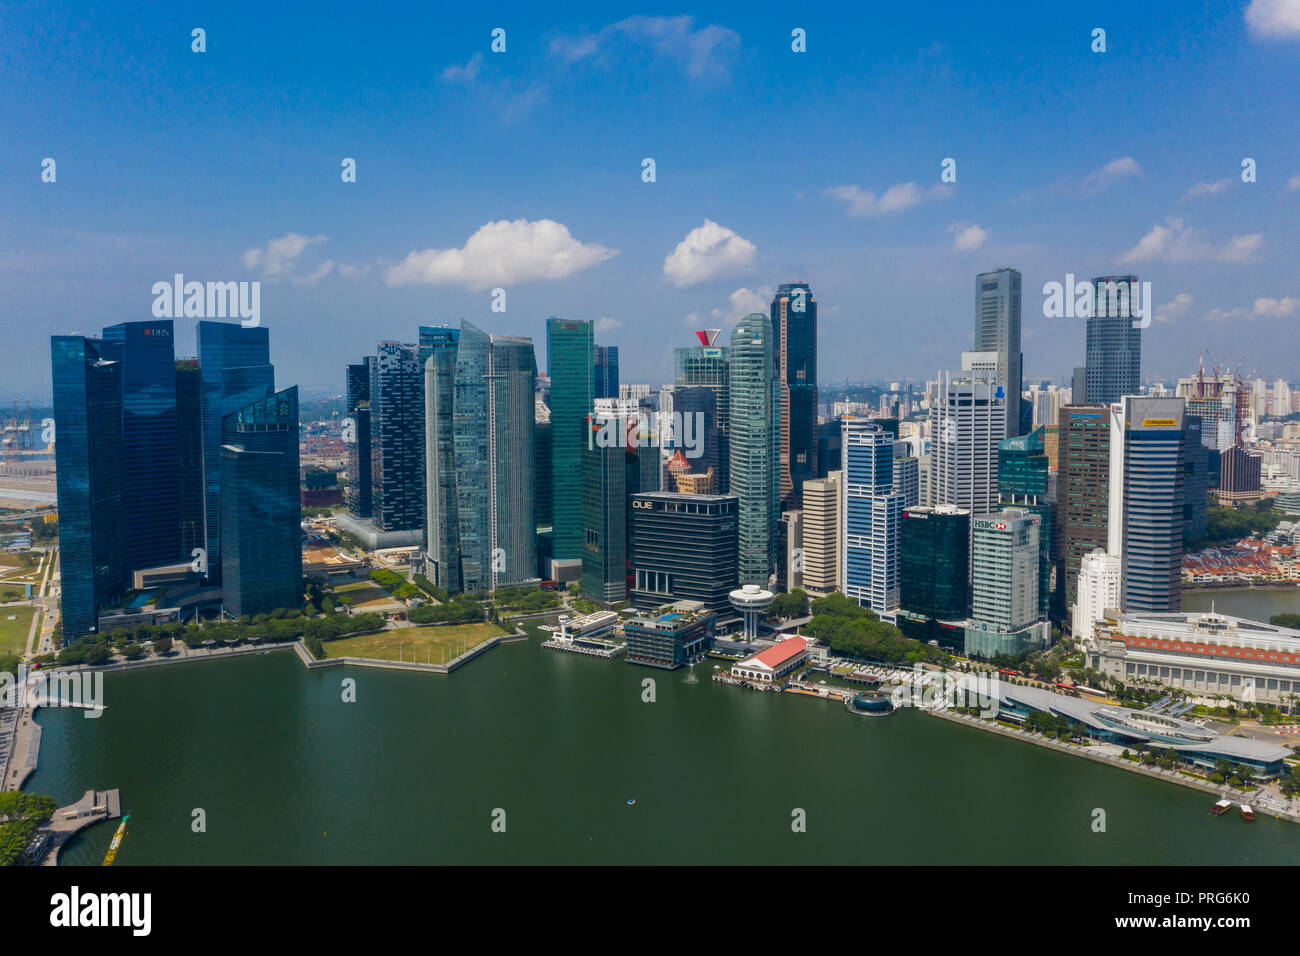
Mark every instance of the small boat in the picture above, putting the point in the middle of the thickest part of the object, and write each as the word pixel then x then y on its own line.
pixel 631 802
pixel 1247 813
pixel 1220 807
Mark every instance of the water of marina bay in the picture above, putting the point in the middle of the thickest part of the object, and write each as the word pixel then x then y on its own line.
pixel 286 772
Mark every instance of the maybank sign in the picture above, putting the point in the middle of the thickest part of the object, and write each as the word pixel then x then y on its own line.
pixel 1159 423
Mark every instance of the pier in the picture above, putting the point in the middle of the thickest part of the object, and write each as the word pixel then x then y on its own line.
pixel 93 807
pixel 608 653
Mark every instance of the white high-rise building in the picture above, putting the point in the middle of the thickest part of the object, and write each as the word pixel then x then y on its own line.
pixel 1099 589
pixel 967 420
pixel 870 515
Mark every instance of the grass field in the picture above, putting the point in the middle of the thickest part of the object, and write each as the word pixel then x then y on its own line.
pixel 422 644
pixel 12 592
pixel 366 595
pixel 13 634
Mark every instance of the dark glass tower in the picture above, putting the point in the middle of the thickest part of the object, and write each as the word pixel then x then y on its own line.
pixel 604 524
pixel 605 371
pixel 702 403
pixel 1023 483
pixel 397 452
pixel 933 562
pixel 150 452
pixel 997 329
pixel 1113 361
pixel 189 437
pixel 88 459
pixel 684 548
pixel 1082 489
pixel 234 371
pixel 794 323
pixel 709 367
pixel 569 362
pixel 261 557
pixel 358 497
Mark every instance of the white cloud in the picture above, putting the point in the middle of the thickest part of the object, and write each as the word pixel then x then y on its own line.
pixel 1276 307
pixel 1176 242
pixel 1293 184
pixel 502 253
pixel 708 252
pixel 1173 308
pixel 967 236
pixel 464 74
pixel 744 301
pixel 606 324
pixel 278 258
pixel 1221 315
pixel 704 53
pixel 1273 18
pixel 863 202
pixel 1207 189
pixel 1117 169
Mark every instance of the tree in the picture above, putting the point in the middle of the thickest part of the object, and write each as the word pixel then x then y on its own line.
pixel 22 815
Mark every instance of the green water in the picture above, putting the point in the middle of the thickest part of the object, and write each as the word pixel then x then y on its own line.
pixel 411 773
pixel 1254 604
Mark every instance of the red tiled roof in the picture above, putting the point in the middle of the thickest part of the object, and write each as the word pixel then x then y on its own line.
pixel 780 653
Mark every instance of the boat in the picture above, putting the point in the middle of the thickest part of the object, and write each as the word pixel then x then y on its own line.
pixel 1220 807
pixel 631 802
pixel 1247 813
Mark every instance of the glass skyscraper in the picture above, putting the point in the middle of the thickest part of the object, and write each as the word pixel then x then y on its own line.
pixel 605 371
pixel 481 533
pixel 397 452
pixel 150 450
pixel 709 367
pixel 794 322
pixel 88 453
pixel 870 515
pixel 234 371
pixel 261 537
pixel 570 365
pixel 1023 483
pixel 754 439
pixel 1113 359
pixel 997 329
pixel 357 397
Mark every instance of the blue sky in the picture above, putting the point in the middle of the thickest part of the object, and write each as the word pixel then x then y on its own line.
pixel 771 166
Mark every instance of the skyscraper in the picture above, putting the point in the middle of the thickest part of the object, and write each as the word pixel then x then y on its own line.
pixel 604 523
pixel 480 418
pixel 357 399
pixel 1145 521
pixel 870 515
pixel 570 365
pixel 397 452
pixel 261 553
pixel 1005 618
pixel 997 329
pixel 150 453
pixel 934 572
pixel 1024 483
pixel 1082 490
pixel 234 371
pixel 754 438
pixel 821 534
pixel 605 371
pixel 794 323
pixel 88 461
pixel 189 437
pixel 967 421
pixel 708 366
pixel 1113 359
pixel 683 548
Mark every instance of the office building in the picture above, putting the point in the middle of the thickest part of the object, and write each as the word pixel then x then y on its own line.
pixel 605 372
pixel 1024 482
pixel 1005 616
pixel 570 365
pixel 794 323
pixel 88 461
pixel 1098 590
pixel 997 330
pixel 357 407
pixel 189 452
pixel 684 547
pixel 1082 490
pixel 907 475
pixel 1113 359
pixel 820 534
pixel 397 452
pixel 789 550
pixel 754 439
pixel 480 460
pixel 934 573
pixel 1145 514
pixel 968 419
pixel 261 553
pixel 870 515
pixel 234 371
pixel 1197 463
pixel 708 366
pixel 1239 477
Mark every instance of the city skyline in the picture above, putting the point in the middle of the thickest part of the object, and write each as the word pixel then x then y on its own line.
pixel 870 224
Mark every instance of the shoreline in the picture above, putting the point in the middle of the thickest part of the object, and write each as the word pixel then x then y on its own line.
pixel 1119 763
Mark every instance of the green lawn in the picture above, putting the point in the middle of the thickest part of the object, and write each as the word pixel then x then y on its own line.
pixel 422 644
pixel 13 634
pixel 12 592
